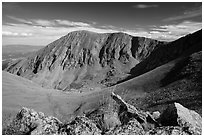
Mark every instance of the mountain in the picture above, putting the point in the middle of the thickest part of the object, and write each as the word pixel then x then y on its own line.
pixel 84 59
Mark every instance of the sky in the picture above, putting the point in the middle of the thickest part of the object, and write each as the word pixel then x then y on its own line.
pixel 37 23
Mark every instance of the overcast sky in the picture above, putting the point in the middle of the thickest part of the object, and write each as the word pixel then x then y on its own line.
pixel 41 23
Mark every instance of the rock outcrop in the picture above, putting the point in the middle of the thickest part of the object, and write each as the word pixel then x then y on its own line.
pixel 28 121
pixel 80 126
pixel 175 120
pixel 127 111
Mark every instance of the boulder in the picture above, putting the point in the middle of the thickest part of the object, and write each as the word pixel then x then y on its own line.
pixel 178 115
pixel 28 121
pixel 156 114
pixel 127 111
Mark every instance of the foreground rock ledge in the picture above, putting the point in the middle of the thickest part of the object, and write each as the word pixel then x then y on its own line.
pixel 175 120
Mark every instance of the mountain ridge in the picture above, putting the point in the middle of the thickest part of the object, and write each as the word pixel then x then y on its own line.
pixel 88 59
pixel 84 50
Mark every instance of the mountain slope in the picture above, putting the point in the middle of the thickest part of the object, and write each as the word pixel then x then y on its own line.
pixel 177 81
pixel 18 92
pixel 182 47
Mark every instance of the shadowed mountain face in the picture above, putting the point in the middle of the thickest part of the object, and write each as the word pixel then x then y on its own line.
pixel 182 47
pixel 83 59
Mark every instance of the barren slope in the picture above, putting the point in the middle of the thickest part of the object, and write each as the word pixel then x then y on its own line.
pixel 18 92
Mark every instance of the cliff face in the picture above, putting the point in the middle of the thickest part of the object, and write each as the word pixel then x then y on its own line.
pixel 84 58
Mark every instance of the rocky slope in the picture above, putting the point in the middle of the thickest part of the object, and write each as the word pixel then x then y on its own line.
pixel 125 119
pixel 83 57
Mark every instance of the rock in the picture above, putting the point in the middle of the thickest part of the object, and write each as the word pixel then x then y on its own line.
pixel 178 115
pixel 156 114
pixel 144 120
pixel 133 127
pixel 167 130
pixel 111 121
pixel 28 121
pixel 127 111
pixel 80 126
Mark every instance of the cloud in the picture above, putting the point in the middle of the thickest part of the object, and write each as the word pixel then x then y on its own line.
pixel 144 6
pixel 9 33
pixel 174 31
pixel 167 32
pixel 40 22
pixel 49 23
pixel 71 23
pixel 42 32
pixel 20 20
pixel 186 14
pixel 183 27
